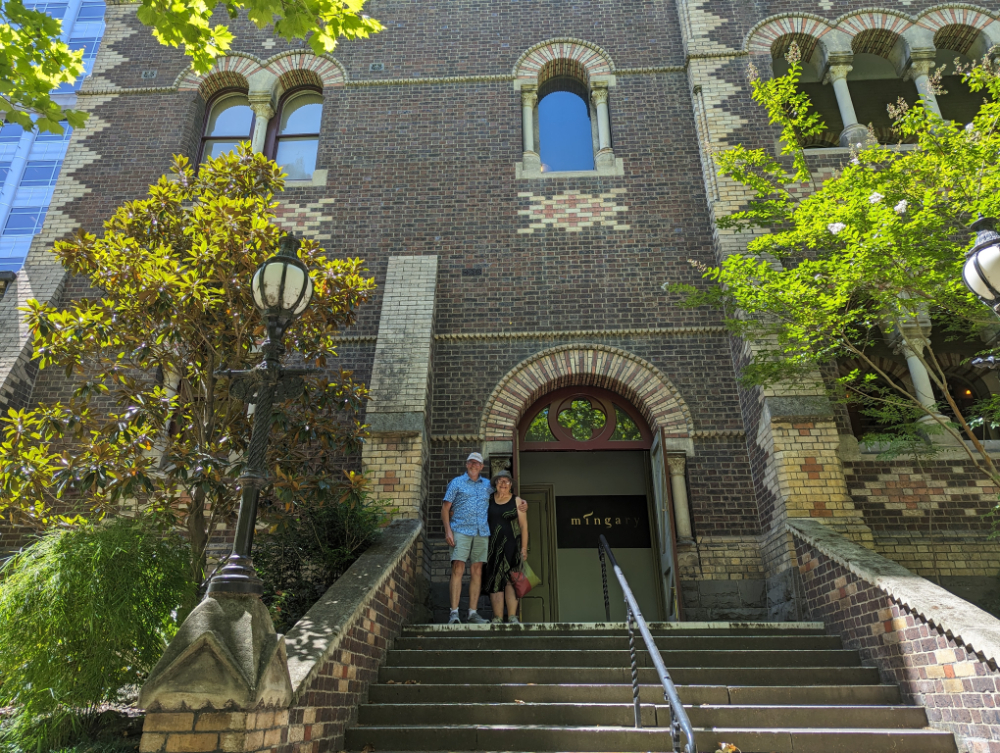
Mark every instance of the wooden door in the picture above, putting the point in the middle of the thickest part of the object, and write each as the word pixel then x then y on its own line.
pixel 665 530
pixel 540 603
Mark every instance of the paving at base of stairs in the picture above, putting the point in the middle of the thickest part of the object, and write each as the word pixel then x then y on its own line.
pixel 763 687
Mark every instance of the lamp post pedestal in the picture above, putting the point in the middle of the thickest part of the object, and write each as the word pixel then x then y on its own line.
pixel 227 653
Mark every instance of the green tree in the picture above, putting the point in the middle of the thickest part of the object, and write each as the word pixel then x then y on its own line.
pixel 865 255
pixel 150 420
pixel 33 60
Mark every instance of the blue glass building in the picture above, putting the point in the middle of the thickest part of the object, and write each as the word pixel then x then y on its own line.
pixel 30 161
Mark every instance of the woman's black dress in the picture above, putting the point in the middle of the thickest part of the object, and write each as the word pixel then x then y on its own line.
pixel 505 546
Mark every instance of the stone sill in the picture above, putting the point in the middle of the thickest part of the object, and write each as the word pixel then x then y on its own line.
pixel 975 628
pixel 318 179
pixel 318 634
pixel 618 170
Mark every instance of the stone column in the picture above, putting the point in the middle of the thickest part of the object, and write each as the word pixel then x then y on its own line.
pixel 912 350
pixel 260 103
pixel 605 156
pixel 678 488
pixel 15 173
pixel 853 132
pixel 921 66
pixel 529 99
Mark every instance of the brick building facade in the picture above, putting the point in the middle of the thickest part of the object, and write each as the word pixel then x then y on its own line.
pixel 500 282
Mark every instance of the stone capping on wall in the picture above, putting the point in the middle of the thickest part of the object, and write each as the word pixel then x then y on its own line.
pixel 966 623
pixel 315 637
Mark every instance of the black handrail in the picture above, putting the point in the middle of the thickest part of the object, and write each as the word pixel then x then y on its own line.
pixel 679 720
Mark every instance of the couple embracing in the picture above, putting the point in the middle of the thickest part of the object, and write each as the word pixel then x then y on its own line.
pixel 486 523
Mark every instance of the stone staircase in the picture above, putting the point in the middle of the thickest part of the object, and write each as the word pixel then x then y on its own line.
pixel 763 687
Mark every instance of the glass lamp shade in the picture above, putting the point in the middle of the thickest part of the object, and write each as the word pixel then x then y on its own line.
pixel 281 285
pixel 981 272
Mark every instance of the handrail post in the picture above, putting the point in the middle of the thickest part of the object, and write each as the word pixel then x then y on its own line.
pixel 604 578
pixel 635 669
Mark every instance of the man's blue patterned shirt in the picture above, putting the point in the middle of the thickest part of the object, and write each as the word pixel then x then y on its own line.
pixel 470 505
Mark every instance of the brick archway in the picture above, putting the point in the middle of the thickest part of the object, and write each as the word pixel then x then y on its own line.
pixel 589 365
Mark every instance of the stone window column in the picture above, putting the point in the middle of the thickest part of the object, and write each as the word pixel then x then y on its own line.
pixel 605 155
pixel 853 132
pixel 260 103
pixel 529 99
pixel 15 173
pixel 918 372
pixel 921 65
pixel 678 488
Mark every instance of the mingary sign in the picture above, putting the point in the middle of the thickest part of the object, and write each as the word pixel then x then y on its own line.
pixel 624 521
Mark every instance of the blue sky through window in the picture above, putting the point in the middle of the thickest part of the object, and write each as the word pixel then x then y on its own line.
pixel 564 133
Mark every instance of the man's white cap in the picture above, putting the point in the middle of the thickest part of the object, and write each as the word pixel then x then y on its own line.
pixel 474 456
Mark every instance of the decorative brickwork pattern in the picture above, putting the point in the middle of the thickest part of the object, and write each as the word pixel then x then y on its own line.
pixel 932 667
pixel 900 496
pixel 573 212
pixel 394 466
pixel 236 68
pixel 647 389
pixel 806 30
pixel 594 60
pixel 326 695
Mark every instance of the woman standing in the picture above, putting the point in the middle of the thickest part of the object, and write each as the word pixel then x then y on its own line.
pixel 508 547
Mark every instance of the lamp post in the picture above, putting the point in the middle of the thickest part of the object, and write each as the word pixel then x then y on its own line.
pixel 981 273
pixel 282 291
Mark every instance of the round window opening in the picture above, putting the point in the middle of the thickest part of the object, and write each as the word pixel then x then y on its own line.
pixel 584 419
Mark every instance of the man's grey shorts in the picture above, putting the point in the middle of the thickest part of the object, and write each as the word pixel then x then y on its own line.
pixel 470 547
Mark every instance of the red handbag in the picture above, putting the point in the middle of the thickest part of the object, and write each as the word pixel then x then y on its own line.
pixel 520 582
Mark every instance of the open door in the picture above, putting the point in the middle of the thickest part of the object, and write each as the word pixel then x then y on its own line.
pixel 665 530
pixel 540 603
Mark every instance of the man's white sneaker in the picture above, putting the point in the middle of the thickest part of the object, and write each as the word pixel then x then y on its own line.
pixel 513 621
pixel 477 619
pixel 453 620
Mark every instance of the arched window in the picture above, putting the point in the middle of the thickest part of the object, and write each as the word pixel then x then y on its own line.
pixel 823 99
pixel 230 121
pixel 296 136
pixel 566 133
pixel 584 418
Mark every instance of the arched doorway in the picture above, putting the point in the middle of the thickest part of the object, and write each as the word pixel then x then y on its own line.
pixel 588 464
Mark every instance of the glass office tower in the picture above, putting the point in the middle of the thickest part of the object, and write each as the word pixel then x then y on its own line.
pixel 30 161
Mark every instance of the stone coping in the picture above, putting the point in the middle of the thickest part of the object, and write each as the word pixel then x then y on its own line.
pixel 969 625
pixel 680 627
pixel 316 636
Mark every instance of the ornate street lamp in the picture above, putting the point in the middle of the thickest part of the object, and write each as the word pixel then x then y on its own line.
pixel 281 290
pixel 981 272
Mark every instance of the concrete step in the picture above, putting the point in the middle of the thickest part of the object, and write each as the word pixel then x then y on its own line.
pixel 498 737
pixel 623 714
pixel 833 695
pixel 618 628
pixel 601 658
pixel 623 675
pixel 529 641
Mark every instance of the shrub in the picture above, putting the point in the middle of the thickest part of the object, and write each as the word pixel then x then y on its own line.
pixel 85 613
pixel 306 552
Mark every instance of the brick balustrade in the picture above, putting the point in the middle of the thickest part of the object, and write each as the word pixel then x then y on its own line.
pixel 334 653
pixel 941 650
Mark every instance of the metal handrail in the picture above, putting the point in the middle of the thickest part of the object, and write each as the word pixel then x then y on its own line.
pixel 679 720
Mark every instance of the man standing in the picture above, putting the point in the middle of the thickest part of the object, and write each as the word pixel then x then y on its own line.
pixel 467 531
